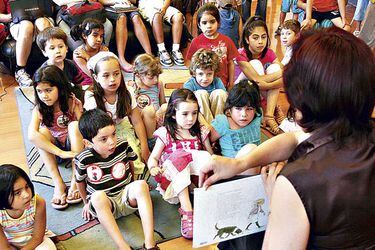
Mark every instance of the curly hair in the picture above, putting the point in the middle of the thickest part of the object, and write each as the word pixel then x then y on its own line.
pixel 145 64
pixel 204 59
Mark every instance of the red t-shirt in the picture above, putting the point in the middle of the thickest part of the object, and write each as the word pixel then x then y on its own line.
pixel 223 46
pixel 324 5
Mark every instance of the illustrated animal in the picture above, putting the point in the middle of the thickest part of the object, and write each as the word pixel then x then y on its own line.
pixel 227 230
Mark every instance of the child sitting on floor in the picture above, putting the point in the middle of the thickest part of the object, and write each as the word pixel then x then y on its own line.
pixel 105 179
pixel 53 42
pixel 149 93
pixel 91 32
pixel 179 145
pixel 289 34
pixel 22 212
pixel 208 89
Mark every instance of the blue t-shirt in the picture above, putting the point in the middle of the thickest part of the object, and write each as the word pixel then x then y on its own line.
pixel 192 85
pixel 231 141
pixel 229 21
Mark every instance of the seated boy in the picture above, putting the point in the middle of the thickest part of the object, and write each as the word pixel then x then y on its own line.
pixel 289 33
pixel 105 179
pixel 53 43
pixel 155 12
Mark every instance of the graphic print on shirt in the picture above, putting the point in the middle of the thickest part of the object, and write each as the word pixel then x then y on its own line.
pixel 221 50
pixel 62 121
pixel 118 171
pixel 94 173
pixel 143 100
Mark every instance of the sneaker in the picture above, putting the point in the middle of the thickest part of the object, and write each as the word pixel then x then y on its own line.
pixel 178 58
pixel 278 31
pixel 165 58
pixel 356 33
pixel 23 78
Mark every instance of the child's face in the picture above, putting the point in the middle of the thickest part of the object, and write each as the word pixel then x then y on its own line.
pixel 186 115
pixel 287 37
pixel 95 39
pixel 257 40
pixel 109 75
pixel 204 77
pixel 22 194
pixel 104 143
pixel 208 25
pixel 48 94
pixel 148 79
pixel 242 116
pixel 55 50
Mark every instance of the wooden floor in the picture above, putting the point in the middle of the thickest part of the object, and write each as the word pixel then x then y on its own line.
pixel 11 142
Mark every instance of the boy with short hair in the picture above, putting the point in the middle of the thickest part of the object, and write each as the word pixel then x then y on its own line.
pixel 288 35
pixel 53 42
pixel 105 179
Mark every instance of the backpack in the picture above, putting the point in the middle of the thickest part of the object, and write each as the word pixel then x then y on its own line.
pixel 77 13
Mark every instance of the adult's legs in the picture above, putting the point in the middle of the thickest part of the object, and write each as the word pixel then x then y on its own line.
pixel 108 29
pixel 177 26
pixel 261 9
pixel 141 33
pixel 359 15
pixel 367 33
pixel 246 10
pixel 121 40
pixel 157 28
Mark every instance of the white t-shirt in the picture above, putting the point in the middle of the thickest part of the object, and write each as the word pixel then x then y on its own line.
pixel 90 103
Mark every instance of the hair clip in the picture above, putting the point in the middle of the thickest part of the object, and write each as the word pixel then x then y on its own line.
pixel 87 26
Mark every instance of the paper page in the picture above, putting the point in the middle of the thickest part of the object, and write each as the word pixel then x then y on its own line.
pixel 229 210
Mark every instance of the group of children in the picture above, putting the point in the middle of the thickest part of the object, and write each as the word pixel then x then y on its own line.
pixel 111 141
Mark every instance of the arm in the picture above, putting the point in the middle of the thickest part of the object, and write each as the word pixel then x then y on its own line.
pixel 301 5
pixel 207 146
pixel 307 23
pixel 4 244
pixel 82 191
pixel 39 225
pixel 81 60
pixel 265 153
pixel 140 130
pixel 214 135
pixel 230 74
pixel 166 4
pixel 251 74
pixel 342 7
pixel 161 94
pixel 240 29
pixel 41 141
pixel 286 208
pixel 5 18
pixel 153 160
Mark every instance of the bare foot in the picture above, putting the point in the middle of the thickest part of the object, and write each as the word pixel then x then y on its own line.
pixel 127 67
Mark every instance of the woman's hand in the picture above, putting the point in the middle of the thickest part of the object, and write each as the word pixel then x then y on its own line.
pixel 154 171
pixel 269 174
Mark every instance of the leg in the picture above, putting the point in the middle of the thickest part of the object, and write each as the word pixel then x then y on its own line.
pixel 121 40
pixel 269 119
pixel 103 208
pixel 47 244
pixel 157 28
pixel 76 142
pixel 177 22
pixel 141 33
pixel 186 212
pixel 218 98
pixel 261 9
pixel 359 15
pixel 204 104
pixel 65 27
pixel 246 10
pixel 49 160
pixel 149 119
pixel 42 23
pixel 108 29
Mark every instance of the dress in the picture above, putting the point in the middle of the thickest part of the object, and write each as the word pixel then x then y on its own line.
pixel 223 46
pixel 178 161
pixel 59 128
pixel 124 129
pixel 337 189
pixel 231 141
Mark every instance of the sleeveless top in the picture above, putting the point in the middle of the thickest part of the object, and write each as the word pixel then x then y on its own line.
pixel 19 231
pixel 337 188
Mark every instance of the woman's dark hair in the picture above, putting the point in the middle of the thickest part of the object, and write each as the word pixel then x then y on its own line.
pixel 124 100
pixel 244 93
pixel 55 77
pixel 92 121
pixel 178 96
pixel 210 9
pixel 9 174
pixel 248 28
pixel 330 80
pixel 85 28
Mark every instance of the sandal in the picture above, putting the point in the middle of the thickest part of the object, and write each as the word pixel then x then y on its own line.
pixel 269 123
pixel 56 202
pixel 71 198
pixel 152 248
pixel 186 223
pixel 279 114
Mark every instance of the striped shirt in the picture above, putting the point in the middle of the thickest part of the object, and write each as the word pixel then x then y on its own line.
pixel 110 175
pixel 19 231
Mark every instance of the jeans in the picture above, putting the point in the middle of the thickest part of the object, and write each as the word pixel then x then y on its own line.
pixel 261 9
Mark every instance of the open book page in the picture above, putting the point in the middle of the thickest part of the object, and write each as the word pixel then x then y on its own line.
pixel 229 210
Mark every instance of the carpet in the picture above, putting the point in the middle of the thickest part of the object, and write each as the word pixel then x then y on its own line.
pixel 71 230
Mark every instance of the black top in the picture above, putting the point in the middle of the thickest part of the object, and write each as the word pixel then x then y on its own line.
pixel 337 188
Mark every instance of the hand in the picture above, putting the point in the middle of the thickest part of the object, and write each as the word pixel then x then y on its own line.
pixel 216 168
pixel 81 55
pixel 269 174
pixel 263 85
pixel 86 213
pixel 67 154
pixel 306 24
pixel 145 151
pixel 154 171
pixel 162 11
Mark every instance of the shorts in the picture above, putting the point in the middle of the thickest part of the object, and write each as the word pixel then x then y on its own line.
pixel 185 6
pixel 329 15
pixel 149 9
pixel 114 16
pixel 14 28
pixel 67 147
pixel 120 204
pixel 286 4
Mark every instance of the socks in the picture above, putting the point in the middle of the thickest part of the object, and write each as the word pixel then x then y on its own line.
pixel 161 46
pixel 19 67
pixel 175 47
